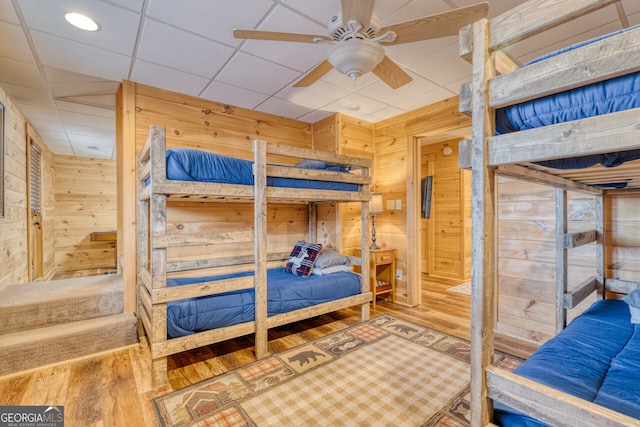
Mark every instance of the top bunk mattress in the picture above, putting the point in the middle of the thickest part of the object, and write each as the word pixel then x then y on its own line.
pixel 617 94
pixel 185 164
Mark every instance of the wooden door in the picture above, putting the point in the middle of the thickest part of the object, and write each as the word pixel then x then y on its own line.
pixel 34 200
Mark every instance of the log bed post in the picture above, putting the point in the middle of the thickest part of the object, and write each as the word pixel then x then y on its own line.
pixel 365 270
pixel 600 246
pixel 561 259
pixel 483 237
pixel 158 227
pixel 260 246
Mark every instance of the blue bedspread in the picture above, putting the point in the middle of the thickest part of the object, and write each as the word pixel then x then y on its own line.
pixel 618 94
pixel 186 164
pixel 285 292
pixel 596 358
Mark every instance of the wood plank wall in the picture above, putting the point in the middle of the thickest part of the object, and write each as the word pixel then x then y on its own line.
pixel 343 135
pixel 85 202
pixel 13 227
pixel 393 140
pixel 526 253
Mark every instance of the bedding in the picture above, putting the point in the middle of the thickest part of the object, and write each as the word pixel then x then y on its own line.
pixel 285 292
pixel 596 358
pixel 617 94
pixel 187 164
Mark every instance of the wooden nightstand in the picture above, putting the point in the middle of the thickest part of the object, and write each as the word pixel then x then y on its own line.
pixel 383 272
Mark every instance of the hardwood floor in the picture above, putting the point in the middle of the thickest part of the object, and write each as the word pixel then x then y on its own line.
pixel 114 389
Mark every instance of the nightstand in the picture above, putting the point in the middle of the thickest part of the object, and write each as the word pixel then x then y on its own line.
pixel 383 272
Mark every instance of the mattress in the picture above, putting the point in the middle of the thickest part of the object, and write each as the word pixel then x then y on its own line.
pixel 596 358
pixel 187 164
pixel 618 94
pixel 285 292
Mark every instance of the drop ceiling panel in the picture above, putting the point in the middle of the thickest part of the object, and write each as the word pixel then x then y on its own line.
pixel 232 95
pixel 21 73
pixel 212 19
pixel 167 78
pixel 18 48
pixel 315 96
pixel 256 74
pixel 381 91
pixel 174 48
pixel 81 58
pixel 119 27
pixel 27 95
pixel 283 108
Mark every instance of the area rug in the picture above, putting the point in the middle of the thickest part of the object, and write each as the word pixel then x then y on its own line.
pixel 464 289
pixel 385 371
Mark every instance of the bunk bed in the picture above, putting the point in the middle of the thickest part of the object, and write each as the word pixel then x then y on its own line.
pixel 179 307
pixel 550 387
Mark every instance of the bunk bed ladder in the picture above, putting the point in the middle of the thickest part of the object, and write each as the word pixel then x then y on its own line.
pixel 566 300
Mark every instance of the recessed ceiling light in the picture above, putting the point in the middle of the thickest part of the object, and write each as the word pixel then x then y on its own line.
pixel 81 21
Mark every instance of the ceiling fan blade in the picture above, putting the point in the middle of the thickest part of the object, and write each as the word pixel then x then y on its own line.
pixel 314 75
pixel 278 36
pixel 390 73
pixel 434 26
pixel 357 10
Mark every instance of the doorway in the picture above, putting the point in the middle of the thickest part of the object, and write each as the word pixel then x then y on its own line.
pixel 444 211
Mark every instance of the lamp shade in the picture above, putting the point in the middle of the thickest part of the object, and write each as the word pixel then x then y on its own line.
pixel 375 207
pixel 355 57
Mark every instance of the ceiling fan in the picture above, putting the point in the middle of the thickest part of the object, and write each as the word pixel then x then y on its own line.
pixel 357 37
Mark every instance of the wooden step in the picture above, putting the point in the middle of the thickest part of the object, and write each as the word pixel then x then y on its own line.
pixel 24 350
pixel 40 304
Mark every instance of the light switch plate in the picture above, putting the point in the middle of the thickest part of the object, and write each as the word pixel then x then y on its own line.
pixel 390 205
pixel 398 205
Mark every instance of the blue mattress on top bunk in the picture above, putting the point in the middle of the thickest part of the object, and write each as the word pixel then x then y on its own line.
pixel 617 94
pixel 285 292
pixel 596 358
pixel 187 164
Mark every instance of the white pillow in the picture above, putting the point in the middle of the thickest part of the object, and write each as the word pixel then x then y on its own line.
pixel 318 271
pixel 330 257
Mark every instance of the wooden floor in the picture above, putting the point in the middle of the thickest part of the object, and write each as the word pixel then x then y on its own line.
pixel 114 389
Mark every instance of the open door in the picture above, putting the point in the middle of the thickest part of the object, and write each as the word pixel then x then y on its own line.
pixel 34 200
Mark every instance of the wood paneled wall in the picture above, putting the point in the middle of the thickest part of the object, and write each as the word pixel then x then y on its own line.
pixel 13 227
pixel 395 158
pixel 526 253
pixel 85 202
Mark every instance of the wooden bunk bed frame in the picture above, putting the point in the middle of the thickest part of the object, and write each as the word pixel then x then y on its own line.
pixel 153 240
pixel 497 82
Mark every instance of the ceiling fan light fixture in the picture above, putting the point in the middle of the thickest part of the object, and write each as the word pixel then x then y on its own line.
pixel 355 57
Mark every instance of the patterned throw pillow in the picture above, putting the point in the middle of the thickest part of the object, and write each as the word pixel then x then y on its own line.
pixel 302 258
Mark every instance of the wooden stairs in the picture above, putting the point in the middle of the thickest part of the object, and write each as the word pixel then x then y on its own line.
pixel 43 323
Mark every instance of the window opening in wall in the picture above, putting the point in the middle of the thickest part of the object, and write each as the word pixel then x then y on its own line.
pixel 35 181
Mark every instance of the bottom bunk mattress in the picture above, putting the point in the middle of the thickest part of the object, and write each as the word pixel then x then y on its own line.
pixel 285 292
pixel 596 358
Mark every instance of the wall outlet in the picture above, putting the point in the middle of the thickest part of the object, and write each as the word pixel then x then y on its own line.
pixel 390 205
pixel 398 205
pixel 398 274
